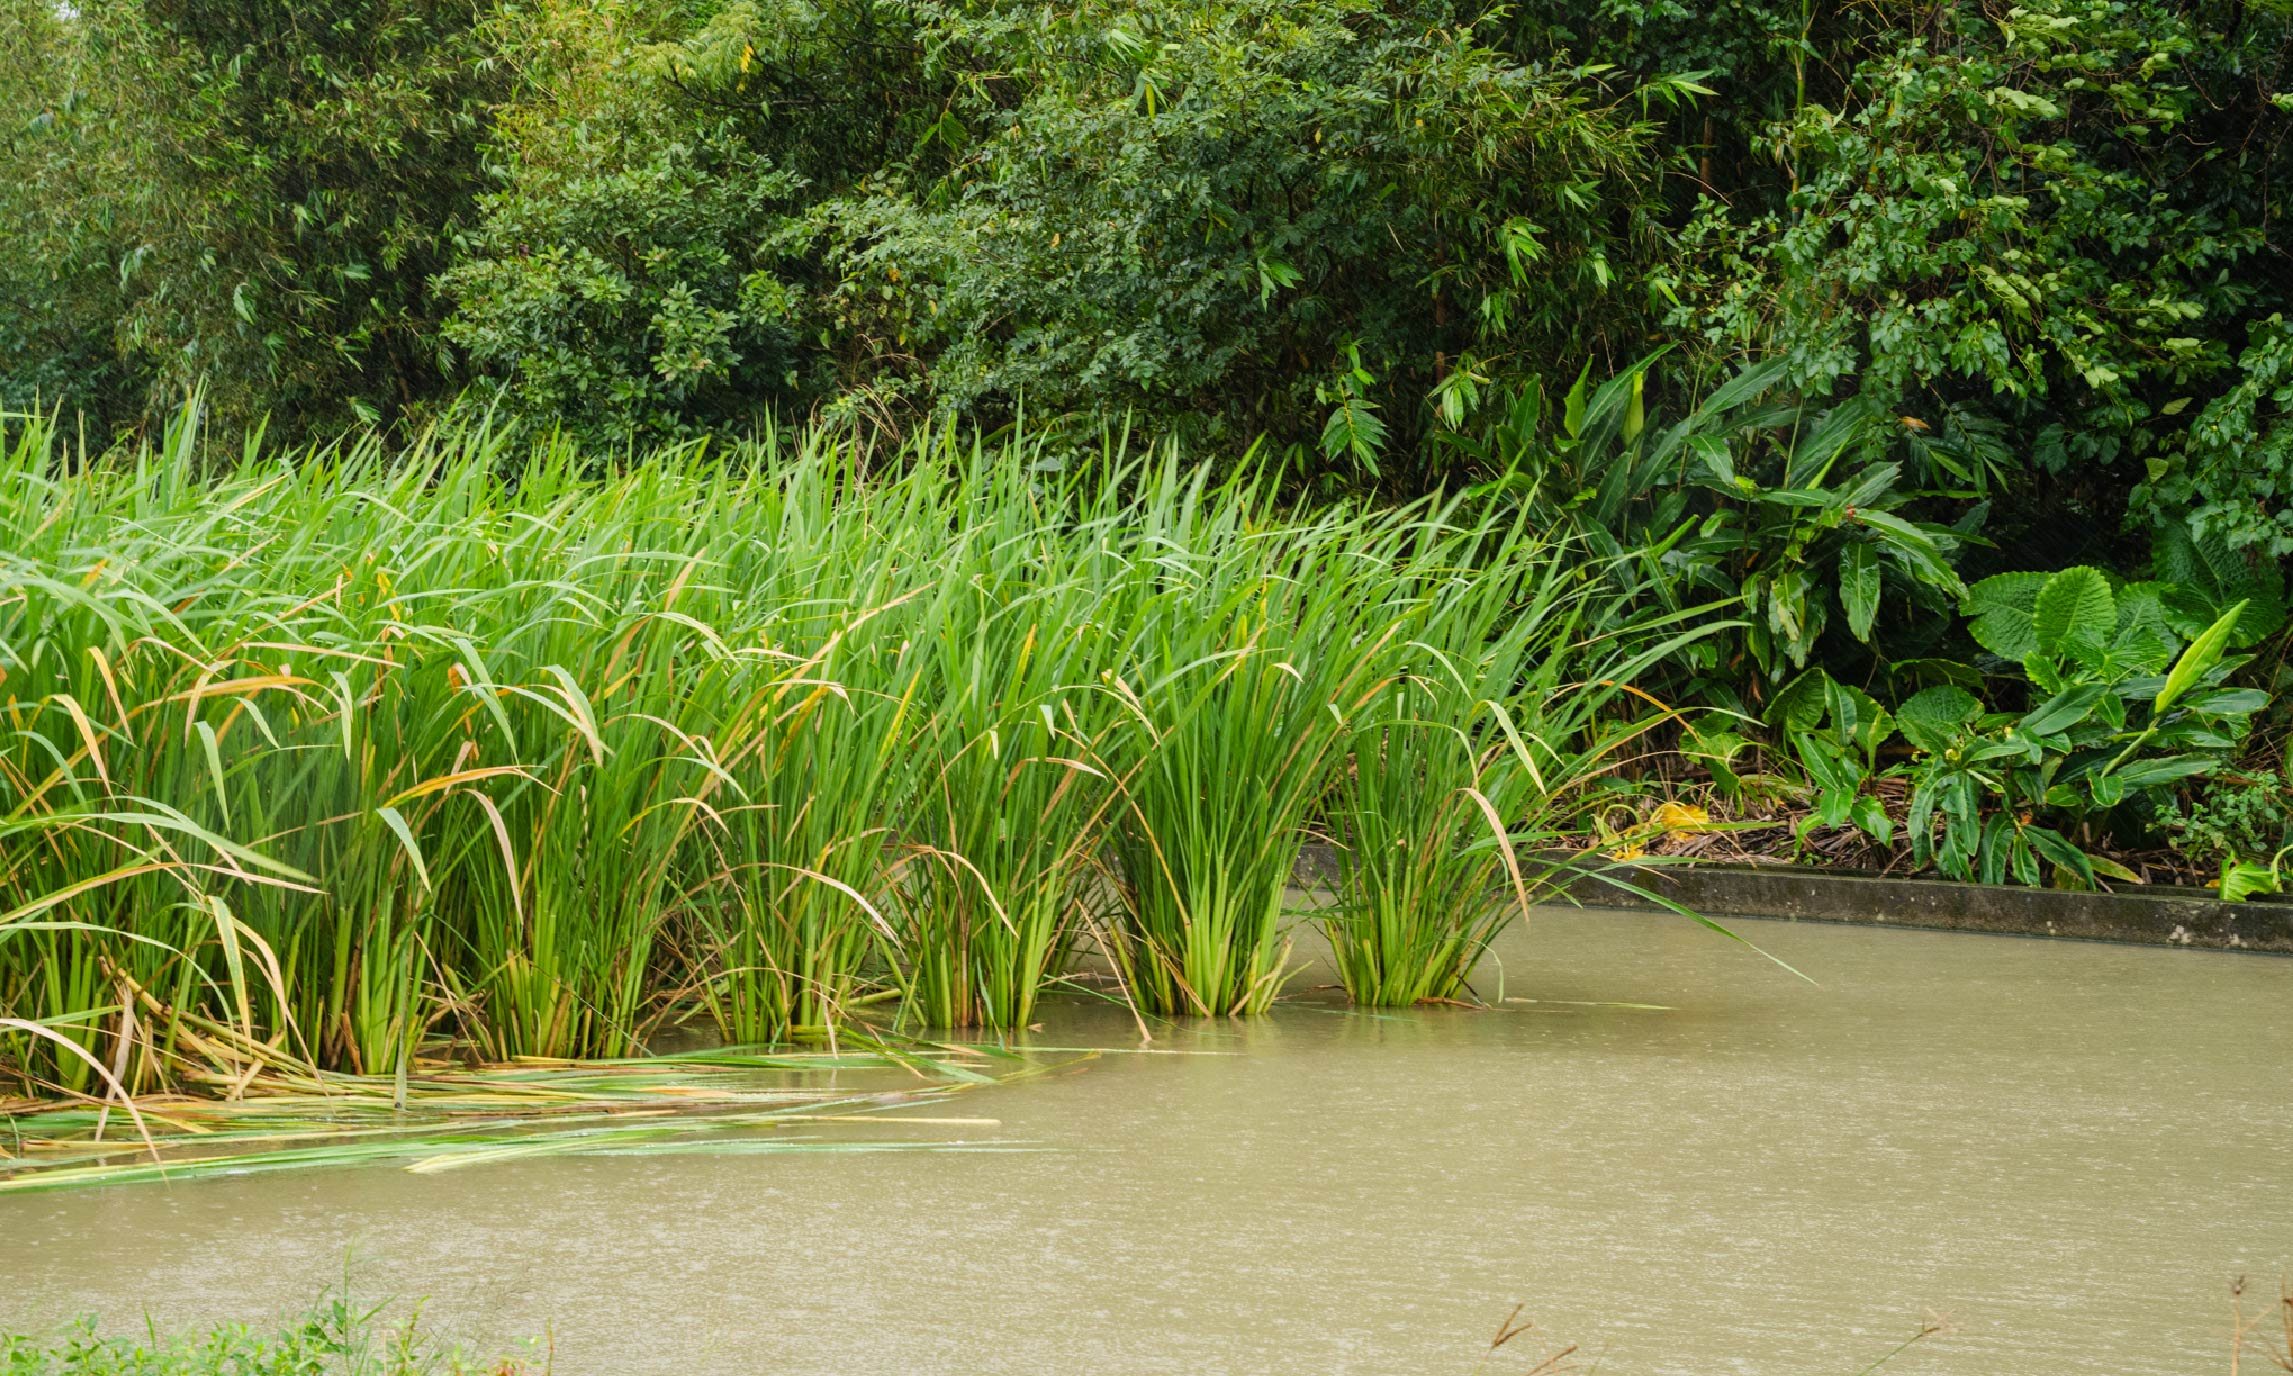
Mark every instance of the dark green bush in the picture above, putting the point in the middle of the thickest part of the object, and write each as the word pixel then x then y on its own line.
pixel 63 230
pixel 1366 229
pixel 250 197
pixel 1327 221
pixel 2055 220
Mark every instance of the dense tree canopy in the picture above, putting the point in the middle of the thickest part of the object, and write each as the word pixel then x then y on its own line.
pixel 1381 236
pixel 252 198
pixel 1868 343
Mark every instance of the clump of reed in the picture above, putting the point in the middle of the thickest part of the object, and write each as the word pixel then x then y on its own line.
pixel 1465 776
pixel 353 751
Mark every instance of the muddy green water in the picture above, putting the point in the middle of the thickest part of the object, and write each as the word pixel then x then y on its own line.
pixel 2068 1149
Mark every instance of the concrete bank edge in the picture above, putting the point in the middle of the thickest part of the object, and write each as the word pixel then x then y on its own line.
pixel 2154 916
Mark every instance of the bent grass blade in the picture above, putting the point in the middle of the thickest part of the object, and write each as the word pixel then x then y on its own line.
pixel 708 1101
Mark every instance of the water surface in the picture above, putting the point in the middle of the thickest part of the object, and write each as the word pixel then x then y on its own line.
pixel 2068 1149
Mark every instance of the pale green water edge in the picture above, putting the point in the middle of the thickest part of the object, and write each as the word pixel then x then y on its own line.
pixel 2069 1149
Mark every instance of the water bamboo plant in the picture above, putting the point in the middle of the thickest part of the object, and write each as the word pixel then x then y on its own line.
pixel 358 750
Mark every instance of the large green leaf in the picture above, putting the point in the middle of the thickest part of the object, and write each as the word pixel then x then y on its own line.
pixel 1859 587
pixel 1933 718
pixel 1803 498
pixel 1795 619
pixel 2203 653
pixel 2241 880
pixel 2142 649
pixel 2074 611
pixel 1835 776
pixel 1835 432
pixel 2210 575
pixel 1919 547
pixel 2001 607
pixel 2062 711
pixel 2058 850
pixel 1871 486
pixel 2230 702
pixel 1799 705
pixel 2166 769
pixel 1744 386
pixel 1573 405
pixel 1856 717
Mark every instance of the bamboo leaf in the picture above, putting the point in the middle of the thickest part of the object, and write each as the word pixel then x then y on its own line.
pixel 2197 659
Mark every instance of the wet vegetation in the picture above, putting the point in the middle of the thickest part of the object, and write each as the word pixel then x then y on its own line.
pixel 337 1336
pixel 526 526
pixel 349 755
pixel 284 1114
pixel 1854 326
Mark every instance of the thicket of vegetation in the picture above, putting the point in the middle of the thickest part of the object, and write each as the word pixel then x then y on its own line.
pixel 349 754
pixel 2046 233
pixel 1927 370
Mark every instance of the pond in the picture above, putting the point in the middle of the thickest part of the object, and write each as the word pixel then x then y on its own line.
pixel 1669 1150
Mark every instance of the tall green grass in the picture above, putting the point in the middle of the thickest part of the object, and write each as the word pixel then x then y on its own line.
pixel 354 751
pixel 1466 777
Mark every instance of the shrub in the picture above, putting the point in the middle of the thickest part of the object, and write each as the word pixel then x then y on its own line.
pixel 270 190
pixel 2234 817
pixel 1190 215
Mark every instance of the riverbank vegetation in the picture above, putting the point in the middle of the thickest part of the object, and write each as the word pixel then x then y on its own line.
pixel 346 752
pixel 339 1336
pixel 336 1336
pixel 526 523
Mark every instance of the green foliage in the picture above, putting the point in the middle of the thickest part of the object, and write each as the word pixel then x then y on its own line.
pixel 640 269
pixel 1791 520
pixel 2238 817
pixel 2122 712
pixel 1361 231
pixel 1836 738
pixel 2232 475
pixel 336 1337
pixel 1198 210
pixel 990 910
pixel 2054 216
pixel 1188 214
pixel 61 240
pixel 1452 808
pixel 610 300
pixel 2206 574
pixel 251 197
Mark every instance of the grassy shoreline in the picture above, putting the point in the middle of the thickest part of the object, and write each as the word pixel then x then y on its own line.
pixel 337 1335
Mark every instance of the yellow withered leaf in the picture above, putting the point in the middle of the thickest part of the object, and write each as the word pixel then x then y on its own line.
pixel 1681 819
